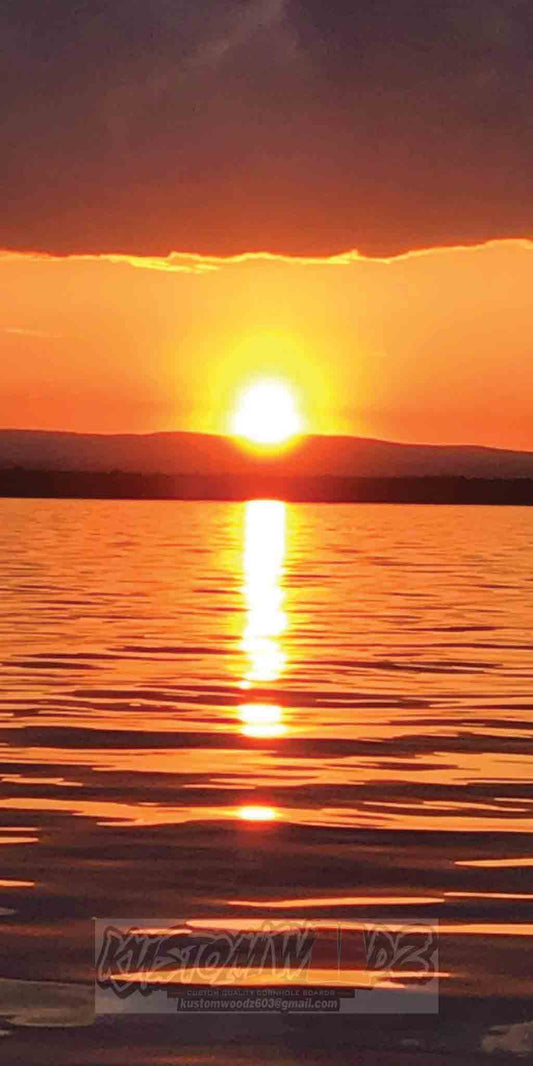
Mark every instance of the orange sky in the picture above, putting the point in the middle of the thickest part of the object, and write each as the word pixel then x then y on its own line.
pixel 431 346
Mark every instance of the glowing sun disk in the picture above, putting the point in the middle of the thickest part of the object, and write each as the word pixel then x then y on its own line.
pixel 267 414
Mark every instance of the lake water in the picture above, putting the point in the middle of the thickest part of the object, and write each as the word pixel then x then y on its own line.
pixel 262 709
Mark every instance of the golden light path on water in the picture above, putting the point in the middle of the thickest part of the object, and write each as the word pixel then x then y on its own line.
pixel 266 622
pixel 325 712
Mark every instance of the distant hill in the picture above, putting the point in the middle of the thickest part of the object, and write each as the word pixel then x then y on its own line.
pixel 206 455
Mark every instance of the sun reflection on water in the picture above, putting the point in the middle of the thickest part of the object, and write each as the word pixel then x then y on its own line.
pixel 257 814
pixel 266 621
pixel 262 720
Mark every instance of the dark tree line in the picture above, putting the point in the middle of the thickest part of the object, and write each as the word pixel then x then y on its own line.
pixel 117 484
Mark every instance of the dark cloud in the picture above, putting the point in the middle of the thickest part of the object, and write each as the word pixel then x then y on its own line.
pixel 291 125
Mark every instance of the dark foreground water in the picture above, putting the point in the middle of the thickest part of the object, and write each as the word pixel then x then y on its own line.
pixel 217 711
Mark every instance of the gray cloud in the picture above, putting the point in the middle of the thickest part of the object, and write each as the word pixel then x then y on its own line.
pixel 305 126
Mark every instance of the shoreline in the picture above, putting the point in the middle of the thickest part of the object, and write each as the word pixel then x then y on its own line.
pixel 21 483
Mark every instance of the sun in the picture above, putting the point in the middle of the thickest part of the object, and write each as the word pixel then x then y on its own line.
pixel 267 414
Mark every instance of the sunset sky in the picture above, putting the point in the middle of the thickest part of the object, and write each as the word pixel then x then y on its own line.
pixel 432 346
pixel 183 185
